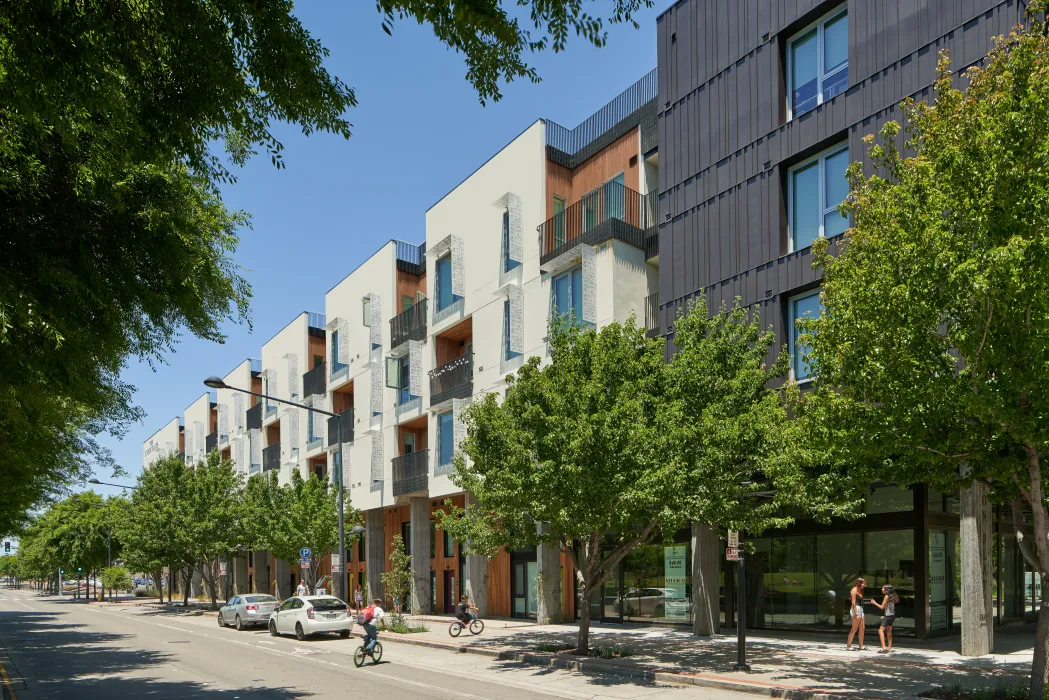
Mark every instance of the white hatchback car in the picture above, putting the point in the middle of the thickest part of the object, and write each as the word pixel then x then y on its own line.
pixel 310 614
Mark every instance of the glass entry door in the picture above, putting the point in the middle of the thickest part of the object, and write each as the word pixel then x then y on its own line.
pixel 525 592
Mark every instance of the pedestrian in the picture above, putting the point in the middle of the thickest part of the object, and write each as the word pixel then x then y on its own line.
pixel 888 607
pixel 301 590
pixel 358 597
pixel 856 613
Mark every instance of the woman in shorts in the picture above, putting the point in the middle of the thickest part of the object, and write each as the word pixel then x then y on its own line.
pixel 856 613
pixel 888 607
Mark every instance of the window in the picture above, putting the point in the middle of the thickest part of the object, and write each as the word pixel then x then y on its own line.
pixel 818 64
pixel 559 220
pixel 309 426
pixel 449 544
pixel 803 306
pixel 615 198
pixel 445 438
pixel 590 204
pixel 507 352
pixel 816 188
pixel 445 298
pixel 398 376
pixel 336 366
pixel 508 263
pixel 433 538
pixel 367 305
pixel 407 302
pixel 568 294
pixel 406 537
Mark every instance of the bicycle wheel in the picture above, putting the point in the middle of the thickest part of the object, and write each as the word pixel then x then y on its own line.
pixel 358 656
pixel 455 628
pixel 477 626
pixel 377 653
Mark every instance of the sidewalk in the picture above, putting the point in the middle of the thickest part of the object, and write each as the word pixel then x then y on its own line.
pixel 797 667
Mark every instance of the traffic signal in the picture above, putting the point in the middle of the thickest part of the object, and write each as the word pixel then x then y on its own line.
pixel 7 547
pixel 78 569
pixel 62 572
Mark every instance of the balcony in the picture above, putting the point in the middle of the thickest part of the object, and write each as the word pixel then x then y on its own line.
pixel 315 382
pixel 347 427
pixel 611 211
pixel 211 441
pixel 254 417
pixel 411 258
pixel 271 457
pixel 411 473
pixel 408 325
pixel 652 316
pixel 452 380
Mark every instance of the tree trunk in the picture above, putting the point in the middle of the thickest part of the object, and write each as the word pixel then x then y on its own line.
pixel 187 576
pixel 977 582
pixel 583 641
pixel 706 565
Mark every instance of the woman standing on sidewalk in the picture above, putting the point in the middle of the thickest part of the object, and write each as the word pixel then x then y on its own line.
pixel 856 613
pixel 888 606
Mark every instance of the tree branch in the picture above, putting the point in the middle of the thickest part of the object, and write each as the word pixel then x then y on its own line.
pixel 959 455
pixel 1023 536
pixel 621 551
pixel 986 327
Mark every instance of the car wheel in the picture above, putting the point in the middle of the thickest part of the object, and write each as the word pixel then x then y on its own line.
pixel 239 625
pixel 299 634
pixel 345 634
pixel 221 623
pixel 273 628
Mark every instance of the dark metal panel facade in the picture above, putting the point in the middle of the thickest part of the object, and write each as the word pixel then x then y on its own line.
pixel 726 145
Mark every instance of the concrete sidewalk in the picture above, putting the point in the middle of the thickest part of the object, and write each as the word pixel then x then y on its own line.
pixel 798 667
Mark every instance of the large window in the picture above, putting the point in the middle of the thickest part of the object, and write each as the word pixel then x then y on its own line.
pixel 366 305
pixel 818 63
pixel 508 264
pixel 445 439
pixel 568 294
pixel 507 352
pixel 615 198
pixel 803 306
pixel 559 220
pixel 817 187
pixel 445 298
pixel 336 366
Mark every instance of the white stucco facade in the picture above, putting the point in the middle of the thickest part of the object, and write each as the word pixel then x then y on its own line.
pixel 161 444
pixel 233 434
pixel 197 424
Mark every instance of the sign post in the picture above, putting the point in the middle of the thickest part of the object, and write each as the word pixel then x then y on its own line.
pixel 336 564
pixel 735 553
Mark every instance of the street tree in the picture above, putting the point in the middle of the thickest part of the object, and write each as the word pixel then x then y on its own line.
pixel 215 513
pixel 933 346
pixel 114 118
pixel 284 519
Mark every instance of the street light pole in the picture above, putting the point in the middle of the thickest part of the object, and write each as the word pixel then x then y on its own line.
pixel 216 383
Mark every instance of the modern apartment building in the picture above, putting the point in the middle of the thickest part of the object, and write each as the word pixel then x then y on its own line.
pixel 762 106
pixel 200 424
pixel 165 442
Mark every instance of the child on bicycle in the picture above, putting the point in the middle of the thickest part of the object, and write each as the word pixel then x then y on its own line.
pixel 464 611
pixel 367 619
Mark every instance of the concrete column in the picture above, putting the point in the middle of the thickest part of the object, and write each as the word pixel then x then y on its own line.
pixel 263 576
pixel 977 581
pixel 706 562
pixel 240 574
pixel 374 553
pixel 475 577
pixel 196 587
pixel 282 572
pixel 420 519
pixel 548 569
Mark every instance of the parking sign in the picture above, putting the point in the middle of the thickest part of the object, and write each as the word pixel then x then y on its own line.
pixel 305 553
pixel 731 554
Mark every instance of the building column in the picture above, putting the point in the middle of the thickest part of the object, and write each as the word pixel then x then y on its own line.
pixel 548 569
pixel 196 587
pixel 282 572
pixel 240 574
pixel 420 519
pixel 374 554
pixel 706 561
pixel 977 576
pixel 263 577
pixel 475 576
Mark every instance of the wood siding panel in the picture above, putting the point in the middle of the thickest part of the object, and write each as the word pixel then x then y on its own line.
pixel 572 184
pixel 316 349
pixel 408 285
pixel 499 585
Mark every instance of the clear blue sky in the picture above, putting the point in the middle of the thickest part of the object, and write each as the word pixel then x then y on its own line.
pixel 418 131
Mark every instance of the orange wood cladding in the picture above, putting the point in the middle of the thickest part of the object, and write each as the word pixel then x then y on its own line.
pixel 407 286
pixel 273 433
pixel 181 441
pixel 571 185
pixel 342 400
pixel 316 349
pixel 256 386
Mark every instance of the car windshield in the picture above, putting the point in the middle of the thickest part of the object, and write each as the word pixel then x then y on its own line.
pixel 326 603
pixel 259 599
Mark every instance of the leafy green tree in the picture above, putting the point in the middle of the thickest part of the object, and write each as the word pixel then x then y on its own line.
pixel 398 578
pixel 215 510
pixel 933 347
pixel 284 519
pixel 117 578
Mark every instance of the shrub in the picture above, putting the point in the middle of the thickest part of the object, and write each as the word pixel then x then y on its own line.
pixel 117 578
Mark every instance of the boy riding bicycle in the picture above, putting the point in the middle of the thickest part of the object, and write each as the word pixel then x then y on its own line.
pixel 464 611
pixel 367 618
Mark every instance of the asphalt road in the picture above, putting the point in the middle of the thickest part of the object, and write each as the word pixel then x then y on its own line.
pixel 55 648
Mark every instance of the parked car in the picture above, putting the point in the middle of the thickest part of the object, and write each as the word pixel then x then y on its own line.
pixel 310 614
pixel 247 610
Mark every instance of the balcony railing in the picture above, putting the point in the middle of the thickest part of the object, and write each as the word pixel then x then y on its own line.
pixel 452 380
pixel 253 417
pixel 593 219
pixel 411 473
pixel 315 382
pixel 211 441
pixel 271 457
pixel 347 427
pixel 408 325
pixel 652 315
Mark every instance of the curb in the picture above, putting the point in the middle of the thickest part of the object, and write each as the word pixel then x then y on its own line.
pixel 603 667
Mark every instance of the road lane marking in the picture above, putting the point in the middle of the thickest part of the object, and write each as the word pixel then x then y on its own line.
pixel 7 681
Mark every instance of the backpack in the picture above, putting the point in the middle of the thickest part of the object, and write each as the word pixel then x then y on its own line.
pixel 365 616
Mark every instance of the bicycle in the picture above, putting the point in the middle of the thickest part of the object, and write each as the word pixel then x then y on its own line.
pixel 375 653
pixel 457 626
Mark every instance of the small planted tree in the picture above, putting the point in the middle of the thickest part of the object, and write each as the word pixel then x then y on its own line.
pixel 397 579
pixel 215 517
pixel 117 578
pixel 933 348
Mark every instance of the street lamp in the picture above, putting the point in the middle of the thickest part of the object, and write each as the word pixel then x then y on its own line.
pixel 104 483
pixel 216 383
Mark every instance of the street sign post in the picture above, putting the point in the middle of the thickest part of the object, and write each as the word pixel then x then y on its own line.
pixel 733 539
pixel 336 564
pixel 736 554
pixel 222 568
pixel 305 553
pixel 731 554
pixel 304 564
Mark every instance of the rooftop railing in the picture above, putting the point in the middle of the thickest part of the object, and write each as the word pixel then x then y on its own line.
pixel 572 141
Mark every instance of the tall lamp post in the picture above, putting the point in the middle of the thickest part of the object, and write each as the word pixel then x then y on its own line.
pixel 216 383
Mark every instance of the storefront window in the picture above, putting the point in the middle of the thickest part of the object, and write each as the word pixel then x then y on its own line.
pixel 1009 578
pixel 790 582
pixel 889 559
pixel 888 499
pixel 657 584
pixel 839 559
pixel 944 580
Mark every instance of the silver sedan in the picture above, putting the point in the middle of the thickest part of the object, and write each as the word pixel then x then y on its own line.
pixel 247 610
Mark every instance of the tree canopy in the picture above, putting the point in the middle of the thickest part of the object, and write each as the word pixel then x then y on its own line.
pixel 933 345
